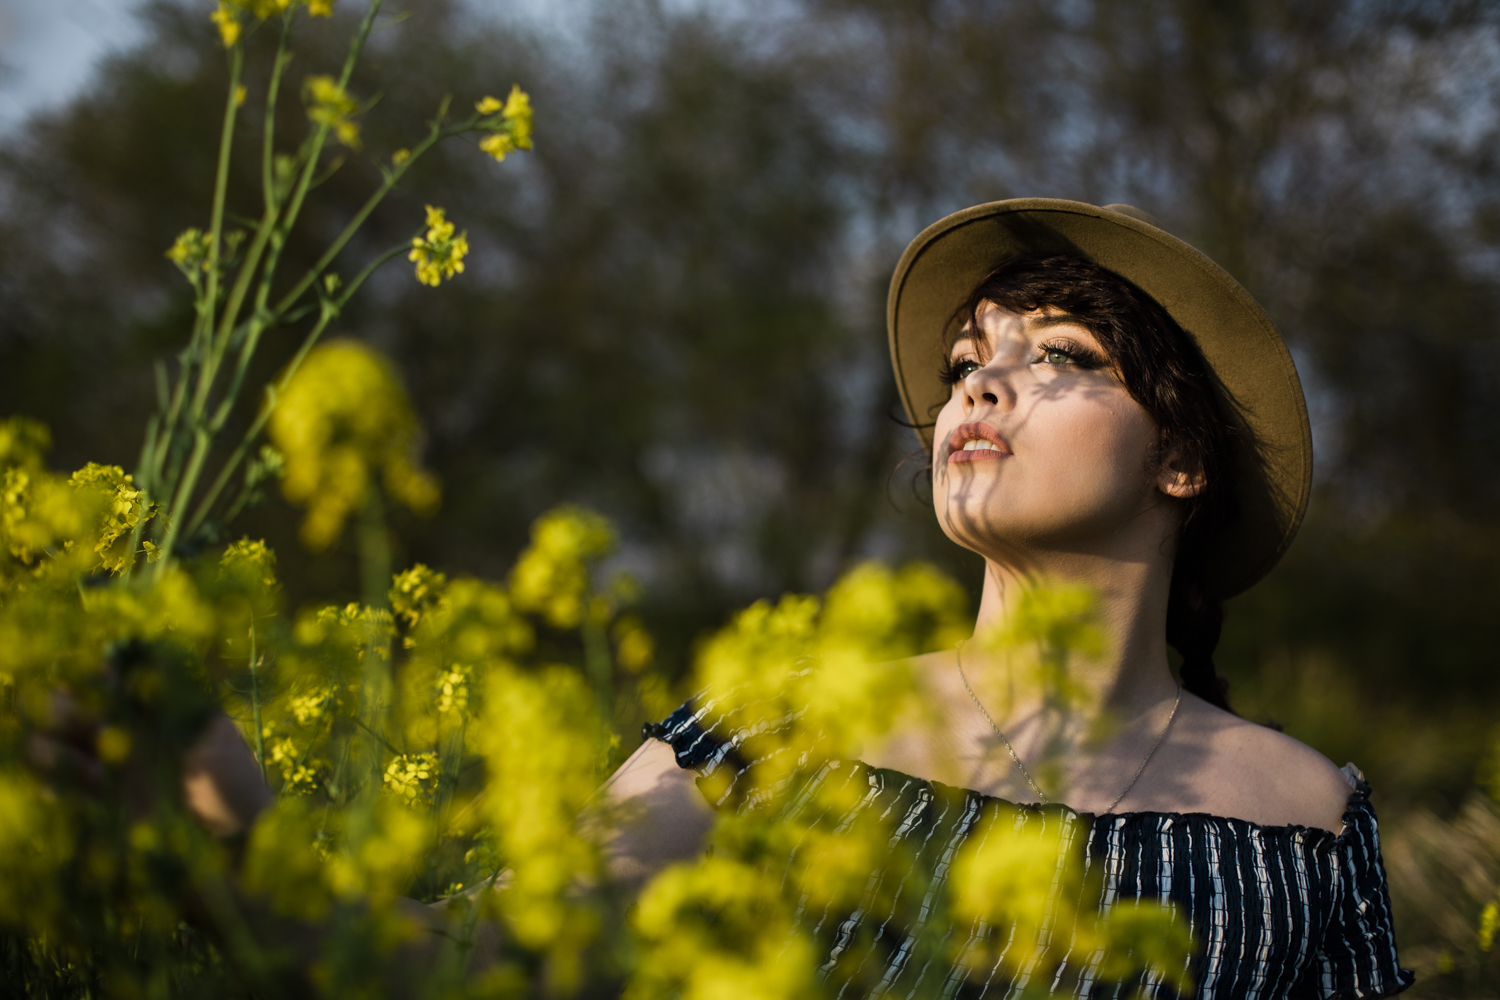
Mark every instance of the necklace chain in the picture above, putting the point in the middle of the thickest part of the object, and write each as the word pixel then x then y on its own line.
pixel 1022 767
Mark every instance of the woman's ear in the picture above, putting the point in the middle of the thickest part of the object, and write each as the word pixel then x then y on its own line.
pixel 1179 476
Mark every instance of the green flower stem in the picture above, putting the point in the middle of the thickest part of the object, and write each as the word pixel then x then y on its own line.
pixel 435 134
pixel 268 143
pixel 203 435
pixel 201 443
pixel 330 311
pixel 204 329
pixel 600 667
pixel 260 740
pixel 264 233
pixel 375 578
pixel 152 479
pixel 148 449
pixel 304 182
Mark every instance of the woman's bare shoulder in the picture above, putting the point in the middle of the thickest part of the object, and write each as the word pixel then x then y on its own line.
pixel 1249 771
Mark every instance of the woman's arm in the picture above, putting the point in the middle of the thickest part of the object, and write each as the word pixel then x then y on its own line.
pixel 653 815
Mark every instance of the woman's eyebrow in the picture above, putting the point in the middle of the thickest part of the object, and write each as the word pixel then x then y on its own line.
pixel 1058 319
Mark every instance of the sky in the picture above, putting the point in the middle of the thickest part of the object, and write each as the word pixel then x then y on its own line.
pixel 48 49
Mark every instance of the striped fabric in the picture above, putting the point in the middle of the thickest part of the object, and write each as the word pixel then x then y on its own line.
pixel 1275 911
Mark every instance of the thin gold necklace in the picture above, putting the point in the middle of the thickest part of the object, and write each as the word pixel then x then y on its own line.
pixel 959 656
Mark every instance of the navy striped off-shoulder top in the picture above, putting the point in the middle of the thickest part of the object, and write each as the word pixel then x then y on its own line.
pixel 1275 911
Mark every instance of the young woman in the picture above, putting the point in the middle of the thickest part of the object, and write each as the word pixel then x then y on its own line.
pixel 1111 408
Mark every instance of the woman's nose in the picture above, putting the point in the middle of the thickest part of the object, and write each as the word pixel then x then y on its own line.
pixel 989 386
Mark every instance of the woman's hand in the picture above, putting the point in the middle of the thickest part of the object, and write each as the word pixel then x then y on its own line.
pixel 222 784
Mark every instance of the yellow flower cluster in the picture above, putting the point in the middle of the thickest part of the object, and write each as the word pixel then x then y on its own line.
pixel 415 592
pixel 413 777
pixel 438 253
pixel 509 123
pixel 551 577
pixel 543 742
pixel 125 508
pixel 190 253
pixel 1017 874
pixel 343 417
pixel 330 105
pixel 23 444
pixel 226 14
pixel 250 559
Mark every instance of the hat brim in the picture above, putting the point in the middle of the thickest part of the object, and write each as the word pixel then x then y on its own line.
pixel 1256 378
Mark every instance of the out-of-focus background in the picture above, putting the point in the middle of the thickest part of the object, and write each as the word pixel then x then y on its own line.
pixel 674 309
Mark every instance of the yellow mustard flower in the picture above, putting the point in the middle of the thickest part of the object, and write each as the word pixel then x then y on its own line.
pixel 250 558
pixel 517 112
pixel 413 777
pixel 23 442
pixel 190 253
pixel 400 156
pixel 551 768
pixel 415 591
pixel 439 253
pixel 228 24
pixel 1489 924
pixel 510 126
pixel 552 576
pixel 330 105
pixel 343 418
pixel 634 647
pixel 124 508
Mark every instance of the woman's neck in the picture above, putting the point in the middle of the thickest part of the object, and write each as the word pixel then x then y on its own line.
pixel 1126 673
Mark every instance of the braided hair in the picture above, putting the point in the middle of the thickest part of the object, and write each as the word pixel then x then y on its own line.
pixel 1163 370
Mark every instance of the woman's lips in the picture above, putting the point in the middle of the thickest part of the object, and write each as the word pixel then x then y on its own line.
pixel 977 443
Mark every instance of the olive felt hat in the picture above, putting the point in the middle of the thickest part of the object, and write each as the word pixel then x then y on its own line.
pixel 1253 371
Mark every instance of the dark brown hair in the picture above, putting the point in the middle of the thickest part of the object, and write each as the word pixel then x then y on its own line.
pixel 1163 370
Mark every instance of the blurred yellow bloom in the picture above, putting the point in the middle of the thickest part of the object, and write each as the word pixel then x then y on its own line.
pixel 343 417
pixel 113 744
pixel 415 591
pixel 719 928
pixel 251 559
pixel 510 129
pixel 552 576
pixel 228 24
pixel 634 647
pixel 23 443
pixel 35 842
pixel 518 112
pixel 190 253
pixel 330 105
pixel 542 741
pixel 400 156
pixel 264 9
pixel 439 254
pixel 1489 924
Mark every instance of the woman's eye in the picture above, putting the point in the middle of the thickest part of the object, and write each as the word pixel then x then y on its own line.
pixel 956 371
pixel 1057 356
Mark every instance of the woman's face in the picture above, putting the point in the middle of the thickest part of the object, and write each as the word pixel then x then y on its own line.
pixel 1040 448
